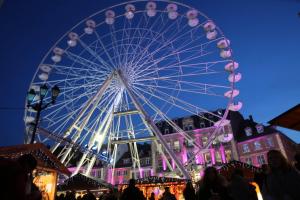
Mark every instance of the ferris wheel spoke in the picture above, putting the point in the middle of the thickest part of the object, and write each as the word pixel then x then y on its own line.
pixel 84 62
pixel 193 109
pixel 167 43
pixel 93 53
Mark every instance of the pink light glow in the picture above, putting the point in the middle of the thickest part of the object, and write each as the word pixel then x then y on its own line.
pixel 141 172
pixel 152 172
pixel 164 164
pixel 223 156
pixel 173 164
pixel 212 154
pixel 160 175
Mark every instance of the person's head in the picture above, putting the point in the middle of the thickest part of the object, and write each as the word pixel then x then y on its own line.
pixel 237 173
pixel 265 168
pixel 167 189
pixel 277 161
pixel 152 194
pixel 189 185
pixel 210 175
pixel 27 162
pixel 131 182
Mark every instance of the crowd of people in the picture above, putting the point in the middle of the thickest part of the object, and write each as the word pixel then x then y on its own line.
pixel 278 180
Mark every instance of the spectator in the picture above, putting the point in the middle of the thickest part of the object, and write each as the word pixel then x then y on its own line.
pixel 239 188
pixel 213 186
pixel 132 192
pixel 283 181
pixel 167 195
pixel 189 191
pixel 260 177
pixel 152 197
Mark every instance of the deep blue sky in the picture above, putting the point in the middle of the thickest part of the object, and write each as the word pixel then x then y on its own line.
pixel 265 37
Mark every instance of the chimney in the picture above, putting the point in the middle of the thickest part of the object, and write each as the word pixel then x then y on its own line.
pixel 251 118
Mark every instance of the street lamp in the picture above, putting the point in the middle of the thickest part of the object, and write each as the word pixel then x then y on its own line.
pixel 40 105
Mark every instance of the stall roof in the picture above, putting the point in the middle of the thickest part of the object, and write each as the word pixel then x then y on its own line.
pixel 289 119
pixel 82 182
pixel 44 157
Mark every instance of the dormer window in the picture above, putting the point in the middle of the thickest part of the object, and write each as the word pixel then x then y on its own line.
pixel 202 125
pixel 248 131
pixel 126 161
pixel 167 131
pixel 259 128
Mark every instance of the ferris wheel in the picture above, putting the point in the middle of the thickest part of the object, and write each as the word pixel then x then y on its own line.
pixel 127 67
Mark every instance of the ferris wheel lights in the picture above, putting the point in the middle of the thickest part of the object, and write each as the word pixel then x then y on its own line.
pixel 232 93
pixel 109 21
pixel 173 15
pixel 91 25
pixel 225 53
pixel 44 76
pixel 231 66
pixel 130 8
pixel 193 22
pixel 211 35
pixel 45 68
pixel 224 43
pixel 110 14
pixel 209 26
pixel 129 14
pixel 172 7
pixel 235 106
pixel 56 58
pixel 192 14
pixel 151 13
pixel 234 78
pixel 72 43
pixel 58 53
pixel 151 5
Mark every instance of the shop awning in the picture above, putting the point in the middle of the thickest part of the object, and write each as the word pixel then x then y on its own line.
pixel 44 157
pixel 248 170
pixel 156 179
pixel 289 119
pixel 82 182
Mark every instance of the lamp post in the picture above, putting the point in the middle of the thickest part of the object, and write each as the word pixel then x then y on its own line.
pixel 40 105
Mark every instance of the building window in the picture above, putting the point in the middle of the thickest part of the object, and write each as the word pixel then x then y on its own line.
pixel 202 125
pixel 270 142
pixel 147 161
pixel 167 131
pixel 188 143
pixel 207 158
pixel 257 145
pixel 246 148
pixel 185 127
pixel 228 155
pixel 248 131
pixel 126 161
pixel 190 127
pixel 261 159
pixel 218 157
pixel 176 146
pixel 248 161
pixel 259 128
pixel 204 140
pixel 147 173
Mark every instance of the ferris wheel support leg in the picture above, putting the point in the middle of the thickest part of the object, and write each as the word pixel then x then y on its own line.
pixel 148 122
pixel 98 96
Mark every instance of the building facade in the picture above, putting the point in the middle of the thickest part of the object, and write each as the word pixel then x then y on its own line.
pixel 248 142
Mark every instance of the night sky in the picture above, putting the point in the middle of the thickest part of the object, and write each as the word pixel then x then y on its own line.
pixel 265 37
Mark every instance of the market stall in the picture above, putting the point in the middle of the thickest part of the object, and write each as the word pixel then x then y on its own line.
pixel 48 166
pixel 80 183
pixel 157 185
pixel 248 170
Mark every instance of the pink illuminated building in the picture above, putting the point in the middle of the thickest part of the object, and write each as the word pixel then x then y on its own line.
pixel 255 140
pixel 248 142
